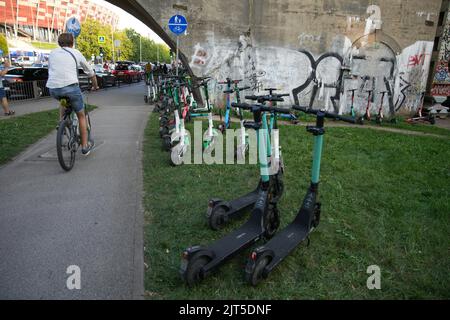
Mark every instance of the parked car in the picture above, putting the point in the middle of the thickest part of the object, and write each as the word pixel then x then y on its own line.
pixel 104 77
pixel 139 69
pixel 40 65
pixel 83 80
pixel 127 73
pixel 20 83
pixel 25 61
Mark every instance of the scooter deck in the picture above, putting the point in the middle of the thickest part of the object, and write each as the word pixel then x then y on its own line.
pixel 241 238
pixel 239 205
pixel 285 242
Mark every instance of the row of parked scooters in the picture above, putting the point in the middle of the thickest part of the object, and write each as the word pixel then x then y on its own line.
pixel 175 104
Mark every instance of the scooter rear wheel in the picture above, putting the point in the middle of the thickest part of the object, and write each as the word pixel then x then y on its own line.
pixel 432 120
pixel 193 274
pixel 254 270
pixel 167 143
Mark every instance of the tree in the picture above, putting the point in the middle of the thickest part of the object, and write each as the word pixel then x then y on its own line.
pixel 147 48
pixel 4 45
pixel 130 44
pixel 88 44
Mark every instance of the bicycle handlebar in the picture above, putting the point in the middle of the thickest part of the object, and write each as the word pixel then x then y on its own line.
pixel 326 114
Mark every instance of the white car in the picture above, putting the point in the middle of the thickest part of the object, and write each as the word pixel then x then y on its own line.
pixel 25 61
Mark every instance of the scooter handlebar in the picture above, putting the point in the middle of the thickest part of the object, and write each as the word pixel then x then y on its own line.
pixel 265 98
pixel 242 106
pixel 261 107
pixel 326 114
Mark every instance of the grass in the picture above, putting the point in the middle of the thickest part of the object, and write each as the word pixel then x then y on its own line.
pixel 18 133
pixel 385 202
pixel 420 127
pixel 44 45
pixel 401 123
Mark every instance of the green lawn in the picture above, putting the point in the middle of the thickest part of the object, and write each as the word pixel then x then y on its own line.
pixel 44 45
pixel 421 127
pixel 386 202
pixel 17 133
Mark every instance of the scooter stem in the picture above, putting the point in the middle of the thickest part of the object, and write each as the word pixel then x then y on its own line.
pixel 318 132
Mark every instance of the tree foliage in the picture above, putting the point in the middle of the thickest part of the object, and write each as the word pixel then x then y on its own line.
pixel 4 45
pixel 150 49
pixel 130 44
pixel 88 44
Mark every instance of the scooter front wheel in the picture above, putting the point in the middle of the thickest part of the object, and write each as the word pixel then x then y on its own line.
pixel 217 217
pixel 193 270
pixel 271 222
pixel 254 270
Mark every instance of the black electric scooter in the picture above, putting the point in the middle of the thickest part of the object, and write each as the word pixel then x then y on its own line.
pixel 198 262
pixel 265 258
pixel 220 212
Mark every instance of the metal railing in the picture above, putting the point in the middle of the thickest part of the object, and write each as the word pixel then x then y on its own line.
pixel 23 90
pixel 27 90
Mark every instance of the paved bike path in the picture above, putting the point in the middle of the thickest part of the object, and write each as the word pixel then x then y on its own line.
pixel 90 217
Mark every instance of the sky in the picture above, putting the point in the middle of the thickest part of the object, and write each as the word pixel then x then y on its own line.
pixel 127 20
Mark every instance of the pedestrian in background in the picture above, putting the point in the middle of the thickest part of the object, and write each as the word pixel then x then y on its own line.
pixel 4 70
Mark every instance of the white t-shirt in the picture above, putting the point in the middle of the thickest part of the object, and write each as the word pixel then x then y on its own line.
pixel 62 70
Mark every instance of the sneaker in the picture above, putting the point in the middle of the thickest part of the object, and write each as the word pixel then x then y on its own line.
pixel 86 151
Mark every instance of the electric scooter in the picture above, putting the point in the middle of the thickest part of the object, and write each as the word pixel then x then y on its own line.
pixel 352 108
pixel 265 258
pixel 151 92
pixel 242 144
pixel 380 116
pixel 180 140
pixel 198 262
pixel 220 212
pixel 367 116
pixel 420 117
pixel 226 123
pixel 291 117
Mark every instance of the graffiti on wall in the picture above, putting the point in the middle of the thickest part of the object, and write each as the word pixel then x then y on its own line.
pixel 362 73
pixel 441 72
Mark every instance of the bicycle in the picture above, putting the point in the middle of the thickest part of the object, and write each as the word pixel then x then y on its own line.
pixel 68 139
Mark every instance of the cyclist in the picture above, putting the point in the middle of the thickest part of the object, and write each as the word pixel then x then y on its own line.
pixel 63 65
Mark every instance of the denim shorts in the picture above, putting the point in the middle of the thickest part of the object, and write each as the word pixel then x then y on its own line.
pixel 2 93
pixel 73 92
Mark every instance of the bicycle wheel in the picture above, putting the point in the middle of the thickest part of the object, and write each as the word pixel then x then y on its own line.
pixel 66 145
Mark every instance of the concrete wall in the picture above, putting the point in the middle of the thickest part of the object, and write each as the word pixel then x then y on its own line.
pixel 320 50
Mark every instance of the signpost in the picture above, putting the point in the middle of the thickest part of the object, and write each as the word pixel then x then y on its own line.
pixel 73 26
pixel 101 39
pixel 178 25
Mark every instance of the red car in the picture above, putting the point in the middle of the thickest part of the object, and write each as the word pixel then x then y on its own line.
pixel 127 73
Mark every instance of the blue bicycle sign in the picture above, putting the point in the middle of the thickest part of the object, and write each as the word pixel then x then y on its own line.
pixel 73 26
pixel 178 24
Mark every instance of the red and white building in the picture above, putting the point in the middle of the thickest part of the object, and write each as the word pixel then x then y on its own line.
pixel 37 19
